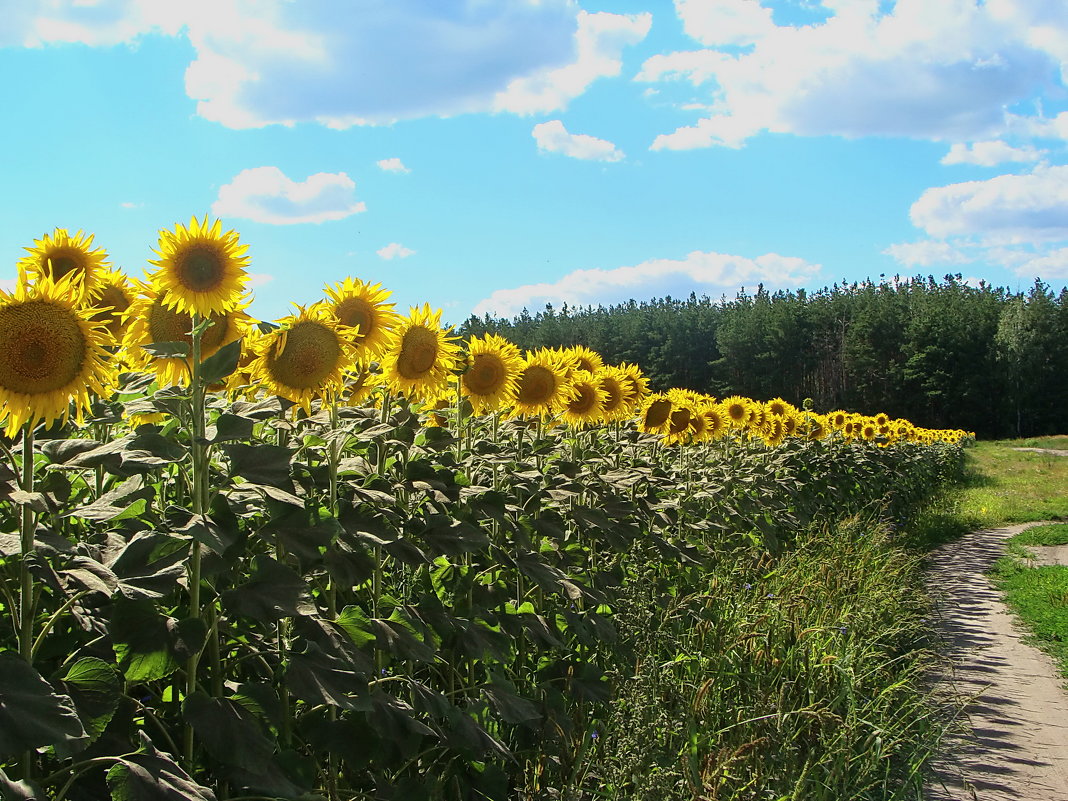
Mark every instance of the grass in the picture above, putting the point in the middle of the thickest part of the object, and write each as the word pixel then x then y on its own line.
pixel 1056 443
pixel 805 677
pixel 1009 486
pixel 1039 595
pixel 1051 534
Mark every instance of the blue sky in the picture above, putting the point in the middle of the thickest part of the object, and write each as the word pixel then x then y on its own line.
pixel 486 155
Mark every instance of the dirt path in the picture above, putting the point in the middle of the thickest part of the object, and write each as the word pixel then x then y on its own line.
pixel 1050 451
pixel 1013 738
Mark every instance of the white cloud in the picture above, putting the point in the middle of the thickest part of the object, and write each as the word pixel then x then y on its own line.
pixel 945 70
pixel 394 250
pixel 925 253
pixel 100 23
pixel 258 279
pixel 990 153
pixel 346 64
pixel 599 44
pixel 552 137
pixel 126 204
pixel 9 284
pixel 1005 209
pixel 266 195
pixel 1053 264
pixel 392 165
pixel 701 272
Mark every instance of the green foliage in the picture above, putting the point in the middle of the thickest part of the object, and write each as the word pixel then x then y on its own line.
pixel 1039 595
pixel 1051 534
pixel 358 607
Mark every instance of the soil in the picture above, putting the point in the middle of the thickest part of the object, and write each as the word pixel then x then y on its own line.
pixel 1011 738
pixel 1050 451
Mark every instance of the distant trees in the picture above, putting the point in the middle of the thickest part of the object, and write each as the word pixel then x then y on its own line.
pixel 941 353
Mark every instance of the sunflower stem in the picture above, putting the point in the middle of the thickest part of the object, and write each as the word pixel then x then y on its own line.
pixel 26 596
pixel 199 453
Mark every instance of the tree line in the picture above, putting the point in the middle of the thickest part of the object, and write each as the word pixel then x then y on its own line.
pixel 941 353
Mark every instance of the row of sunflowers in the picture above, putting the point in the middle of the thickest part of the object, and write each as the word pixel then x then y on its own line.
pixel 74 322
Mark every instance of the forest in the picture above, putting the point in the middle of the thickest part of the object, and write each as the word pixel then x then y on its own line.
pixel 939 352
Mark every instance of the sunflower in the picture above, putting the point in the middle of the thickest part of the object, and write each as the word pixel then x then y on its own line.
pixel 779 407
pixel 654 416
pixel 490 378
pixel 306 357
pixel 682 411
pixel 151 320
pixel 583 358
pixel 613 383
pixel 58 255
pixel 814 427
pixel 542 383
pixel 698 426
pixel 200 269
pixel 420 355
pixel 359 385
pixel 51 353
pixel 112 296
pixel 636 386
pixel 738 410
pixel 363 306
pixel 587 399
pixel 774 432
pixel 869 430
pixel 838 420
pixel 790 422
pixel 716 421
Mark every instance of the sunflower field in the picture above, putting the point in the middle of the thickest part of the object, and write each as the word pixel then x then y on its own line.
pixel 344 555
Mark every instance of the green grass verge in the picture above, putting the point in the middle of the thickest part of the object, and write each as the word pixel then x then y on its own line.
pixel 1051 534
pixel 1039 595
pixel 1009 486
pixel 1057 443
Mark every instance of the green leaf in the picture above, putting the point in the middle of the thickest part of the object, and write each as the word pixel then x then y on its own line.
pixel 221 363
pixel 230 427
pixel 11 790
pixel 95 687
pixel 141 639
pixel 273 591
pixel 32 713
pixel 260 464
pixel 168 350
pixel 151 775
pixel 356 624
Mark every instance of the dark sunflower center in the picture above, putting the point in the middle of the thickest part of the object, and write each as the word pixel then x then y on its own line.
pixel 62 264
pixel 486 375
pixel 167 325
pixel 585 402
pixel 200 268
pixel 418 354
pixel 736 411
pixel 42 348
pixel 586 364
pixel 614 395
pixel 357 313
pixel 310 354
pixel 657 413
pixel 537 385
pixel 680 420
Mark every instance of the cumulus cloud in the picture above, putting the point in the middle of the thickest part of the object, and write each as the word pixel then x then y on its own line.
pixel 267 195
pixel 990 153
pixel 1005 209
pixel 392 165
pixel 599 44
pixel 702 272
pixel 553 137
pixel 1050 265
pixel 943 70
pixel 926 253
pixel 394 250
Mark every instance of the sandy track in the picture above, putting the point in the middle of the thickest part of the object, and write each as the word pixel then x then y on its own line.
pixel 1050 451
pixel 1012 741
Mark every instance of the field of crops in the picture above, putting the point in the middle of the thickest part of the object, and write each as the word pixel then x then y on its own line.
pixel 345 555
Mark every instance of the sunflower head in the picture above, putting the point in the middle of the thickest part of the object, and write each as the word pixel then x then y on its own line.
pixel 306 357
pixel 774 432
pixel 738 410
pixel 420 355
pixel 151 320
pixel 51 354
pixel 582 358
pixel 779 408
pixel 59 255
pixel 490 378
pixel 363 306
pixel 542 383
pixel 636 386
pixel 112 296
pixel 717 423
pixel 614 384
pixel 654 416
pixel 200 269
pixel 838 419
pixel 585 405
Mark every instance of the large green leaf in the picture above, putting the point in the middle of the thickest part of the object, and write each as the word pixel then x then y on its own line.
pixel 32 713
pixel 273 591
pixel 142 640
pixel 151 775
pixel 221 363
pixel 260 464
pixel 95 687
